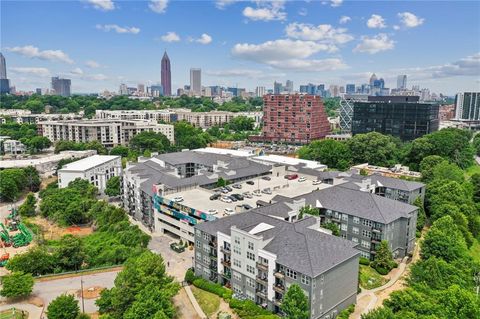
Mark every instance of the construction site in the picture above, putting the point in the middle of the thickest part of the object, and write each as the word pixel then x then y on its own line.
pixel 15 236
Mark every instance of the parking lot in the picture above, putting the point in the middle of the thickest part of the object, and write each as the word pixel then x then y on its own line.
pixel 200 198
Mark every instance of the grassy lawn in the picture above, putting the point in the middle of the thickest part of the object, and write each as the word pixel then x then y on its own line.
pixel 8 314
pixel 472 170
pixel 370 278
pixel 475 251
pixel 207 301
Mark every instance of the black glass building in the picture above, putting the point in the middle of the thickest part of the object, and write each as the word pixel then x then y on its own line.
pixel 400 116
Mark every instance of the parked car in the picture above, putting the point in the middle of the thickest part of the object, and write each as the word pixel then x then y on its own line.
pixel 233 199
pixel 250 182
pixel 215 196
pixel 228 188
pixel 229 211
pixel 267 178
pixel 267 191
pixel 226 199
pixel 247 195
pixel 317 182
pixel 224 190
pixel 237 186
pixel 212 211
pixel 257 192
pixel 247 207
pixel 237 196
pixel 302 179
pixel 291 176
pixel 178 199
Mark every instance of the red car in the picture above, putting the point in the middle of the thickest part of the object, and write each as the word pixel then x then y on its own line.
pixel 292 176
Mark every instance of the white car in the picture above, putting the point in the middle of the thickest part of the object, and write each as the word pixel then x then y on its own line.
pixel 226 199
pixel 317 182
pixel 212 211
pixel 229 211
pixel 302 179
pixel 178 199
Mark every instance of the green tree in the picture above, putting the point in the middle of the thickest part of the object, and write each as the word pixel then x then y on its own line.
pixel 428 164
pixel 119 150
pixel 17 285
pixel 36 261
pixel 69 253
pixel 35 106
pixel 295 303
pixel 447 171
pixel 437 274
pixel 334 154
pixel 476 144
pixel 27 209
pixel 221 182
pixel 151 141
pixel 475 180
pixel 113 186
pixel 38 143
pixel 422 216
pixel 189 137
pixel 8 189
pixel 63 307
pixel 333 227
pixel 374 148
pixel 383 258
pixel 32 178
pixel 309 210
pixel 444 240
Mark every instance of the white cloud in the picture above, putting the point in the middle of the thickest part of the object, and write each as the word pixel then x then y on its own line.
pixel 104 5
pixel 221 4
pixel 77 71
pixel 322 32
pixel 310 65
pixel 376 22
pixel 266 11
pixel 158 6
pixel 396 27
pixel 92 64
pixel 41 72
pixel 375 44
pixel 95 77
pixel 409 20
pixel 204 39
pixel 336 3
pixel 170 37
pixel 30 51
pixel 278 50
pixel 117 28
pixel 303 12
pixel 344 19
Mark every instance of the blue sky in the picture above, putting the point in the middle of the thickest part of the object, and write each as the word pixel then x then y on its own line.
pixel 102 43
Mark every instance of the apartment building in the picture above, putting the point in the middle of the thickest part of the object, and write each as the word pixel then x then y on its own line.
pixel 13 147
pixel 294 118
pixel 109 133
pixel 362 217
pixel 96 169
pixel 167 116
pixel 260 257
pixel 153 188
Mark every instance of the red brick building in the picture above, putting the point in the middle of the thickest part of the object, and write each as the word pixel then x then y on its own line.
pixel 294 118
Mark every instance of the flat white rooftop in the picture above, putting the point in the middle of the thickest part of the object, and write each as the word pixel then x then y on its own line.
pixel 285 160
pixel 88 163
pixel 225 151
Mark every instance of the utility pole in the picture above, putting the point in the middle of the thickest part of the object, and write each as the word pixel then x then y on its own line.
pixel 476 278
pixel 81 289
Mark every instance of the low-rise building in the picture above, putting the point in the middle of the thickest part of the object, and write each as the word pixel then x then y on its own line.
pixel 260 257
pixel 109 133
pixel 13 147
pixel 96 169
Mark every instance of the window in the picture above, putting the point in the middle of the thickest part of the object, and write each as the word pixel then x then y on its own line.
pixel 367 222
pixel 250 245
pixel 237 263
pixel 321 293
pixel 199 255
pixel 206 260
pixel 290 273
pixel 206 271
pixel 356 220
pixel 305 280
pixel 199 233
pixel 344 227
pixel 250 295
pixel 237 276
pixel 365 254
pixel 206 248
pixel 237 240
pixel 345 217
pixel 237 250
pixel 199 244
pixel 365 244
pixel 250 256
pixel 355 239
pixel 237 289
pixel 206 236
pixel 366 233
pixel 355 230
pixel 251 269
pixel 250 282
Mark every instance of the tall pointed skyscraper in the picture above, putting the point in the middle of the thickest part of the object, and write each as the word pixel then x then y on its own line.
pixel 3 67
pixel 166 75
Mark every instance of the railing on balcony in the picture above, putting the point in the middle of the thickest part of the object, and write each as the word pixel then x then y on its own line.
pixel 226 263
pixel 279 274
pixel 225 250
pixel 279 288
pixel 262 279
pixel 213 255
pixel 262 266
pixel 212 243
pixel 226 275
pixel 262 293
pixel 277 302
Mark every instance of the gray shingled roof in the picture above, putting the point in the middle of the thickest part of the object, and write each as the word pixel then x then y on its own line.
pixel 298 247
pixel 386 181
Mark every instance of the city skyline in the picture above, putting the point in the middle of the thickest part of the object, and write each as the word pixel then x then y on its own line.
pixel 113 42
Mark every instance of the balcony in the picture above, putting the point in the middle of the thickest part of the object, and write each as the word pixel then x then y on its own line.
pixel 376 240
pixel 262 293
pixel 279 288
pixel 277 302
pixel 227 263
pixel 213 255
pixel 376 229
pixel 212 243
pixel 225 250
pixel 226 275
pixel 279 274
pixel 262 280
pixel 262 266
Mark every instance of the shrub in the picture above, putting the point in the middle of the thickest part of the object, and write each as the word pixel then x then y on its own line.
pixel 213 288
pixel 248 309
pixel 364 261
pixel 382 271
pixel 190 276
pixel 345 313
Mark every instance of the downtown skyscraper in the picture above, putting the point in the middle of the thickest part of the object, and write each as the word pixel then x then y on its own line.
pixel 166 75
pixel 4 82
pixel 196 81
